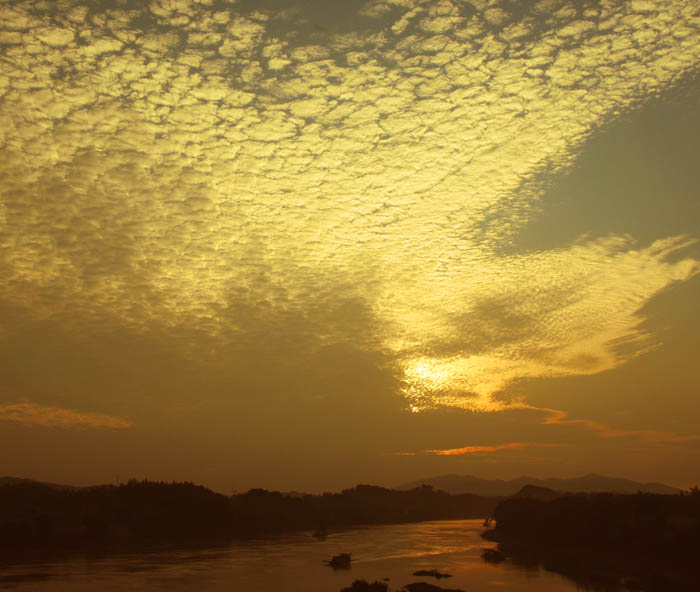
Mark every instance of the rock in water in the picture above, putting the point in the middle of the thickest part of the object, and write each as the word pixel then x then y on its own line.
pixel 424 587
pixel 363 586
pixel 433 573
pixel 341 561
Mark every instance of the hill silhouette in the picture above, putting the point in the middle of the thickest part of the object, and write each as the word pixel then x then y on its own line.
pixel 537 493
pixel 457 484
pixel 21 480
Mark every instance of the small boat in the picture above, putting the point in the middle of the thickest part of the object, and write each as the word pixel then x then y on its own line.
pixel 492 555
pixel 321 532
pixel 341 561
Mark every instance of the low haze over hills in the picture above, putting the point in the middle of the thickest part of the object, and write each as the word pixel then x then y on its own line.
pixel 21 481
pixel 591 482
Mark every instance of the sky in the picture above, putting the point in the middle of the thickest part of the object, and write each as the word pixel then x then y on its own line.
pixel 302 245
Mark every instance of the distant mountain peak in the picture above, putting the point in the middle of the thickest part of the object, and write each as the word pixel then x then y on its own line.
pixel 590 482
pixel 20 480
pixel 537 493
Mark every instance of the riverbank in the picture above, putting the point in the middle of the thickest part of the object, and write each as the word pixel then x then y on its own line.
pixel 642 542
pixel 38 519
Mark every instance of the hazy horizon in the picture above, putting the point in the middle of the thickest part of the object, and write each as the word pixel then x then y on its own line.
pixel 305 245
pixel 121 480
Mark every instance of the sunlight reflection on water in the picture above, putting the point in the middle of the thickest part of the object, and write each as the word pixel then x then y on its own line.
pixel 295 563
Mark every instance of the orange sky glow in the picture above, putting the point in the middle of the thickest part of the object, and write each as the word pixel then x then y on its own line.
pixel 288 244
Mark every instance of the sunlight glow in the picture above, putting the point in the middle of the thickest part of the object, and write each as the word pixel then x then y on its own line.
pixel 252 183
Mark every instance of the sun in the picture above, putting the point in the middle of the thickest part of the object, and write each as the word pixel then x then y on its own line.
pixel 424 380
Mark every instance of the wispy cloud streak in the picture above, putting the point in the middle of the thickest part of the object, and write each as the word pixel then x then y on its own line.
pixel 55 417
pixel 483 450
pixel 561 418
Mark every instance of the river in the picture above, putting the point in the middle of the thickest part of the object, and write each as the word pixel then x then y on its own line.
pixel 295 563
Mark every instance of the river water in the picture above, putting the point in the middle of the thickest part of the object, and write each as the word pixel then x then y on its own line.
pixel 295 563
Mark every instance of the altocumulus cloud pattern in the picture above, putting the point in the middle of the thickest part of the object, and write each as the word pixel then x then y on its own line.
pixel 247 175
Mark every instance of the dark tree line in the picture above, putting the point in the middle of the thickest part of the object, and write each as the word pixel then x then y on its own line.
pixel 638 522
pixel 36 518
pixel 643 541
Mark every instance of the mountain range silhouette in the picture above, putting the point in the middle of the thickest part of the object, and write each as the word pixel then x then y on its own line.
pixel 457 484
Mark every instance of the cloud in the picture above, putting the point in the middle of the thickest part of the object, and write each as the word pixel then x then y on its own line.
pixel 376 8
pixel 480 450
pixel 53 417
pixel 163 175
pixel 558 417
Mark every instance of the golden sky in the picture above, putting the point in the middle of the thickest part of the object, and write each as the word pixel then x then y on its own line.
pixel 305 244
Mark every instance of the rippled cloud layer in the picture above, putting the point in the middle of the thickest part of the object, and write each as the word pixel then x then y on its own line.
pixel 196 164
